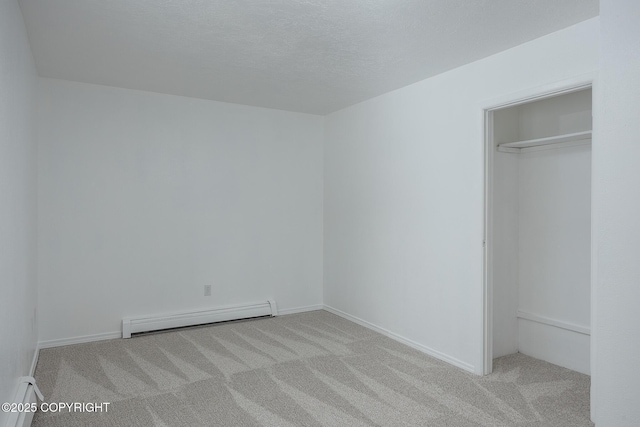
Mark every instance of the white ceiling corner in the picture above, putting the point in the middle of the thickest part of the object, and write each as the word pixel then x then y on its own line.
pixel 312 56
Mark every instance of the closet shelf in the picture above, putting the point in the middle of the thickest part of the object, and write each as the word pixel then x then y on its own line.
pixel 566 140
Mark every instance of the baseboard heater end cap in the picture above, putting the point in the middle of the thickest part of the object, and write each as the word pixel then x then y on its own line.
pixel 126 327
pixel 27 393
pixel 274 307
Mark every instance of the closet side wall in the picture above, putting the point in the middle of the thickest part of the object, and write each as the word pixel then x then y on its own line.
pixel 505 235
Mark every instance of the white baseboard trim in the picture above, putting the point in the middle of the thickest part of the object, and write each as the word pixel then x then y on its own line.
pixel 431 352
pixel 304 309
pixel 282 312
pixel 79 340
pixel 585 330
pixel 34 361
pixel 118 334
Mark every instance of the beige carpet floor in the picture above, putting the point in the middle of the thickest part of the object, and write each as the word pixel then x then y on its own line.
pixel 310 369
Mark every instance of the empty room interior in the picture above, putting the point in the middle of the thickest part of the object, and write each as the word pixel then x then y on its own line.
pixel 284 213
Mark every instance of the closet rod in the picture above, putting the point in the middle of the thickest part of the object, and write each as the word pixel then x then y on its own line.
pixel 569 139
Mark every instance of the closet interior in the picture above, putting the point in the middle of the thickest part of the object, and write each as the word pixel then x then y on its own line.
pixel 540 232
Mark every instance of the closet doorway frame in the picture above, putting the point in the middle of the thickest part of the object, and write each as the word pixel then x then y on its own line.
pixel 563 87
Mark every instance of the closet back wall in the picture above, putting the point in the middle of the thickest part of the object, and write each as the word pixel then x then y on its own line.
pixel 555 233
pixel 146 198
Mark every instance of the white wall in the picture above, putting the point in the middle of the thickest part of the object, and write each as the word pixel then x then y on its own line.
pixel 146 198
pixel 616 177
pixel 555 254
pixel 404 195
pixel 17 202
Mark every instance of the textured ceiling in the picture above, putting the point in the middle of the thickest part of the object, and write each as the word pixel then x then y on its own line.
pixel 313 56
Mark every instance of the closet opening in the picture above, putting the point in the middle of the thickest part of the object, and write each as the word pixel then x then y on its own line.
pixel 537 248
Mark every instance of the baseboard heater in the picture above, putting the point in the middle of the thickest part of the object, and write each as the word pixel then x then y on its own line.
pixel 25 397
pixel 134 325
